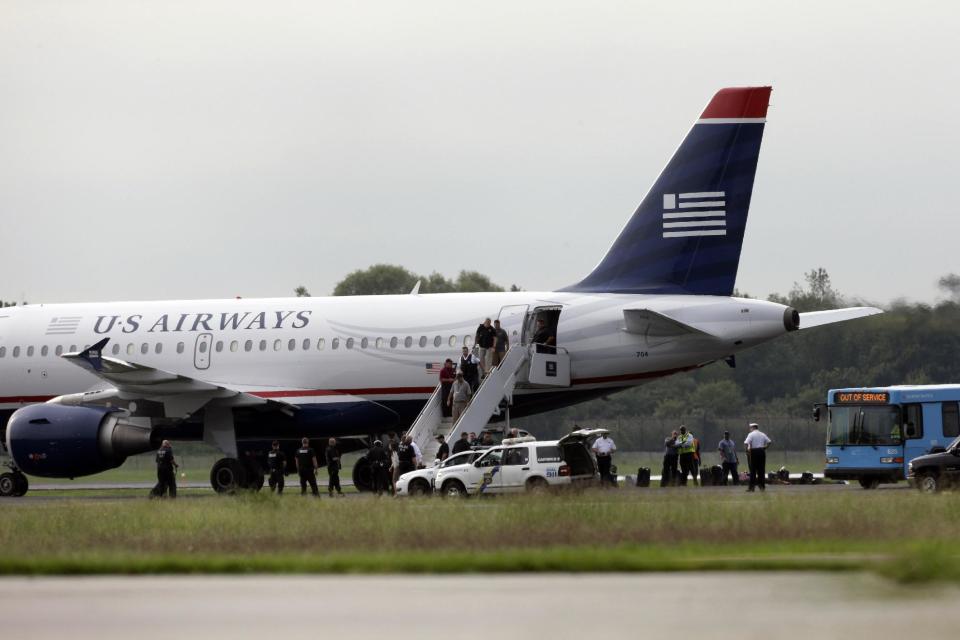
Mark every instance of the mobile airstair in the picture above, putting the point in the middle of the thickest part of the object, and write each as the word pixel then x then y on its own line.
pixel 523 366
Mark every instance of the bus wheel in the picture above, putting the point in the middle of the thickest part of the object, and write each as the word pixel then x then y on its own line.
pixel 928 483
pixel 869 483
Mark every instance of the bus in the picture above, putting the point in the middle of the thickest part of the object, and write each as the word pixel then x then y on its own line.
pixel 873 433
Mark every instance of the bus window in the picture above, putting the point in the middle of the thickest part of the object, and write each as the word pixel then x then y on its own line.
pixel 913 420
pixel 863 425
pixel 951 420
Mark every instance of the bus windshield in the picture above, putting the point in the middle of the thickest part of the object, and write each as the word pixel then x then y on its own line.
pixel 870 425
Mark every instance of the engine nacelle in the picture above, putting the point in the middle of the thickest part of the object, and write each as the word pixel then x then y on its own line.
pixel 57 441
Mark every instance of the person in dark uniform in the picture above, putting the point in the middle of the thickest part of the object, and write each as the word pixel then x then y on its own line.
pixel 463 444
pixel 485 339
pixel 545 338
pixel 406 455
pixel 444 451
pixel 166 476
pixel 379 463
pixel 307 466
pixel 671 460
pixel 277 462
pixel 470 368
pixel 333 467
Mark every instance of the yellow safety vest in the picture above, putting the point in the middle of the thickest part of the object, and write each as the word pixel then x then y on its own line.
pixel 687 444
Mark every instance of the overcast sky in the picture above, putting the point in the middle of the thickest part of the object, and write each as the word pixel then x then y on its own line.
pixel 212 149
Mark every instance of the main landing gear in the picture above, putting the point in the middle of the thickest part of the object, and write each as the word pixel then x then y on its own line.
pixel 230 475
pixel 13 484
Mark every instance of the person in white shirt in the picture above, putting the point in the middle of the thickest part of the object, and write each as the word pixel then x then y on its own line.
pixel 603 448
pixel 757 443
pixel 417 455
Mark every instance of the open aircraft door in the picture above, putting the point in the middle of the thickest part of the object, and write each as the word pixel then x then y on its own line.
pixel 512 320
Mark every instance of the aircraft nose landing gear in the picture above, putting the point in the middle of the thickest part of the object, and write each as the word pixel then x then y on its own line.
pixel 13 484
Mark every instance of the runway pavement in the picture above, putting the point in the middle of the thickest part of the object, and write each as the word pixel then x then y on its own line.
pixel 720 605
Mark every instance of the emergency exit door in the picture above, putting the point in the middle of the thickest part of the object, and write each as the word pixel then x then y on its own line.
pixel 201 351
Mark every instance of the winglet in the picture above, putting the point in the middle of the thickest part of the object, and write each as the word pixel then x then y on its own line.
pixel 92 354
pixel 416 288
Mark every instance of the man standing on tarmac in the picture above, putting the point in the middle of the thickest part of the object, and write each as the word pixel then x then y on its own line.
pixel 669 474
pixel 379 462
pixel 307 466
pixel 686 447
pixel 277 462
pixel 166 477
pixel 757 443
pixel 333 467
pixel 603 448
pixel 728 458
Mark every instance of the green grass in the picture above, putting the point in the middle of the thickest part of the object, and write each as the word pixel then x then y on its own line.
pixel 900 534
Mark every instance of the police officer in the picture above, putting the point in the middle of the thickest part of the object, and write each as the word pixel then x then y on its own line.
pixel 603 448
pixel 687 449
pixel 757 443
pixel 277 462
pixel 379 462
pixel 307 466
pixel 406 455
pixel 333 467
pixel 166 477
pixel 444 451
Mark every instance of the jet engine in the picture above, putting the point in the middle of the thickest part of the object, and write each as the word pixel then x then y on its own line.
pixel 57 441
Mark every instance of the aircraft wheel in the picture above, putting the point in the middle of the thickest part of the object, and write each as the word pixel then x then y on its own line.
pixel 22 485
pixel 8 485
pixel 227 475
pixel 363 475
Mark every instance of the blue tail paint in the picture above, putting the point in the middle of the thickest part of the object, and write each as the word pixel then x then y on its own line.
pixel 686 235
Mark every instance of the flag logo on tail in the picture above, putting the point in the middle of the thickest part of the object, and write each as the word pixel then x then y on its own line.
pixel 699 213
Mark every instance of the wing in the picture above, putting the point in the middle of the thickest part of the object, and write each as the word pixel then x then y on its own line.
pixel 180 395
pixel 819 318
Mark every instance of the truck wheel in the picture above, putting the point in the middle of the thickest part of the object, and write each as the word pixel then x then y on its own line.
pixel 419 488
pixel 453 489
pixel 928 483
pixel 869 483
pixel 8 485
pixel 537 486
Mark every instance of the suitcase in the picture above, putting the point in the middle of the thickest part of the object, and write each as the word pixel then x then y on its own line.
pixel 716 471
pixel 643 477
pixel 706 478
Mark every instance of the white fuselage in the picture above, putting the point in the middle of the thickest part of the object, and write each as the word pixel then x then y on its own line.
pixel 316 350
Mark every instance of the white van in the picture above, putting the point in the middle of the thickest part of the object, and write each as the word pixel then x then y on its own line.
pixel 519 465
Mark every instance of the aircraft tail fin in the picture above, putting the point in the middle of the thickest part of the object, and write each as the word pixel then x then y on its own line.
pixel 686 235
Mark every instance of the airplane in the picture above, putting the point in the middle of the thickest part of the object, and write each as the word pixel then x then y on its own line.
pixel 84 386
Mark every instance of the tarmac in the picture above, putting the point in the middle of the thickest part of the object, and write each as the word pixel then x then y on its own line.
pixel 745 606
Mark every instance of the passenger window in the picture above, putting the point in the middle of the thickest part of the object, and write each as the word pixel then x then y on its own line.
pixel 349 343
pixel 131 348
pixel 44 350
pixel 951 419
pixel 393 342
pixel 234 345
pixel 468 341
pixel 248 345
pixel 913 420
pixel 263 345
pixel 379 343
pixel 202 346
pixel 58 350
pixel 335 343
pixel 320 344
pixel 30 351
pixel 158 348
pixel 116 348
pixel 423 341
pixel 306 344
pixel 364 343
pixel 73 348
pixel 16 352
pixel 408 342
pixel 180 347
pixel 437 341
pixel 3 351
pixel 276 344
pixel 145 348
pixel 291 344
pixel 453 341
pixel 516 456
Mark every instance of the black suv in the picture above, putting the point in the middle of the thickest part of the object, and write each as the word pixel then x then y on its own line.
pixel 936 470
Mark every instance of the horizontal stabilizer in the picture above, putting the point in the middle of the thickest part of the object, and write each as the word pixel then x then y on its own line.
pixel 817 318
pixel 656 325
